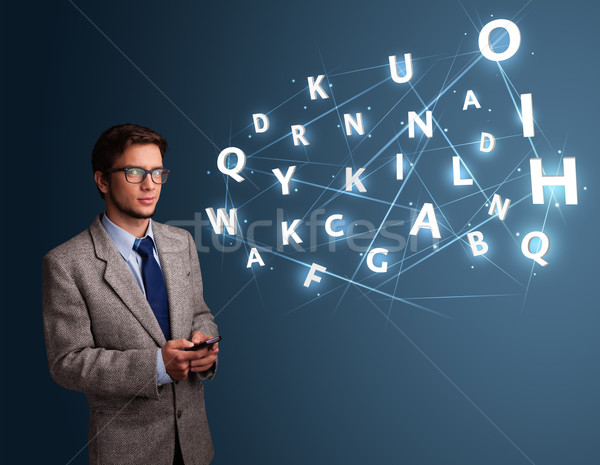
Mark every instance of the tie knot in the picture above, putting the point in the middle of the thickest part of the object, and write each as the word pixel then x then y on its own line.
pixel 145 247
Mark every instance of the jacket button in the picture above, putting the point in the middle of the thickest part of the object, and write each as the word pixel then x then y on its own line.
pixel 176 382
pixel 179 413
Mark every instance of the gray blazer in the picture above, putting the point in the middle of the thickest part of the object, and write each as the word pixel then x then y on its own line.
pixel 102 338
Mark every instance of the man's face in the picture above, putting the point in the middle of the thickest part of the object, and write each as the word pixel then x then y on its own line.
pixel 135 200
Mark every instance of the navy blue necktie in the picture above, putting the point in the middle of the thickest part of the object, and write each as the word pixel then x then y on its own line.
pixel 156 291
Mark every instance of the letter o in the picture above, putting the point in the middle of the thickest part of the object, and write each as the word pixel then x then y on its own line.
pixel 514 39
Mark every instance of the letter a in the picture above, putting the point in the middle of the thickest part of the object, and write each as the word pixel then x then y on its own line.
pixel 470 99
pixel 254 257
pixel 426 212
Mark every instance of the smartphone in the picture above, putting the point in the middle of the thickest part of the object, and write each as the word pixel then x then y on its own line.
pixel 206 343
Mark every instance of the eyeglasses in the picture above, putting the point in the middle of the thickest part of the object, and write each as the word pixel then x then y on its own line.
pixel 136 175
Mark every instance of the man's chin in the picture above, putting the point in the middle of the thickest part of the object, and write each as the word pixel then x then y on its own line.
pixel 138 214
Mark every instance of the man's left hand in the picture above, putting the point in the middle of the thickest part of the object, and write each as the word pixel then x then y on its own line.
pixel 206 356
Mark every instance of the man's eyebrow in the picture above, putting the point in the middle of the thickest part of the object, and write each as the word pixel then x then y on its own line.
pixel 135 166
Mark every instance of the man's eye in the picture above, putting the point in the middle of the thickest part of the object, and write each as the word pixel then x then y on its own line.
pixel 135 172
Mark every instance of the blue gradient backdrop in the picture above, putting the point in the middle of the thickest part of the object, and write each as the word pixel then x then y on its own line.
pixel 505 372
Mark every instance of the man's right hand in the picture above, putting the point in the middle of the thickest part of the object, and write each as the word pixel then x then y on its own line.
pixel 177 361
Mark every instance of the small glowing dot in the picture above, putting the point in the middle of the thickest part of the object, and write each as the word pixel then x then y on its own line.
pixel 556 204
pixel 361 254
pixel 489 109
pixel 231 243
pixel 454 91
pixel 249 136
pixel 465 33
pixel 305 107
pixel 330 85
pixel 585 188
pixel 252 172
pixel 445 129
pixel 410 203
pixel 208 172
pixel 560 151
pixel 338 125
pixel 411 164
pixel 533 53
pixel 491 16
pixel 472 267
pixel 518 234
pixel 296 189
pixel 487 204
pixel 401 122
pixel 518 169
pixel 293 80
pixel 534 274
pixel 434 246
pixel 271 268
pixel 369 135
pixel 368 108
pixel 318 294
pixel 245 221
pixel 469 224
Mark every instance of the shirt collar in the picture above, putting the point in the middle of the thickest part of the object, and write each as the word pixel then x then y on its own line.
pixel 122 239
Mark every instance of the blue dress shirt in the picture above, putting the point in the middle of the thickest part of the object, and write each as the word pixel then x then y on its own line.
pixel 124 243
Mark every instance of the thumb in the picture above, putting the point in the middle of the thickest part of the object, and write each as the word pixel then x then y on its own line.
pixel 180 344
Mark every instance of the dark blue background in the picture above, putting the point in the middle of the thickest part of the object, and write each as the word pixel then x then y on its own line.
pixel 495 380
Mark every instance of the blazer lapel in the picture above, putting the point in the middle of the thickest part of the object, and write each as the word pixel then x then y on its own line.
pixel 118 275
pixel 173 252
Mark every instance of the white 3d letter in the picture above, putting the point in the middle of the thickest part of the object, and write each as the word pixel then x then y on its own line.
pixel 353 179
pixel 456 172
pixel 426 211
pixel 371 265
pixel 258 118
pixel 492 142
pixel 413 118
pixel 399 167
pixel 357 123
pixel 476 241
pixel 239 166
pixel 497 204
pixel 286 232
pixel 538 180
pixel 527 115
pixel 315 87
pixel 394 68
pixel 298 134
pixel 543 250
pixel 514 39
pixel 254 257
pixel 221 218
pixel 329 230
pixel 470 99
pixel 311 274
pixel 285 181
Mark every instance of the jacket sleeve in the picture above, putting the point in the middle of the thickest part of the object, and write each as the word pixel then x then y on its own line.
pixel 203 319
pixel 74 360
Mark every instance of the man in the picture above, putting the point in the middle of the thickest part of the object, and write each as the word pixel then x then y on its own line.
pixel 120 302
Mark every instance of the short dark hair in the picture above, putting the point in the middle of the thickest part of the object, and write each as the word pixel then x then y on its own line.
pixel 114 141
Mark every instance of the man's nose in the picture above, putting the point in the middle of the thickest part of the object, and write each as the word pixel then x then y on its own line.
pixel 148 183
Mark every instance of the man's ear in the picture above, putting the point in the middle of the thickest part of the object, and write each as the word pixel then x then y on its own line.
pixel 102 181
